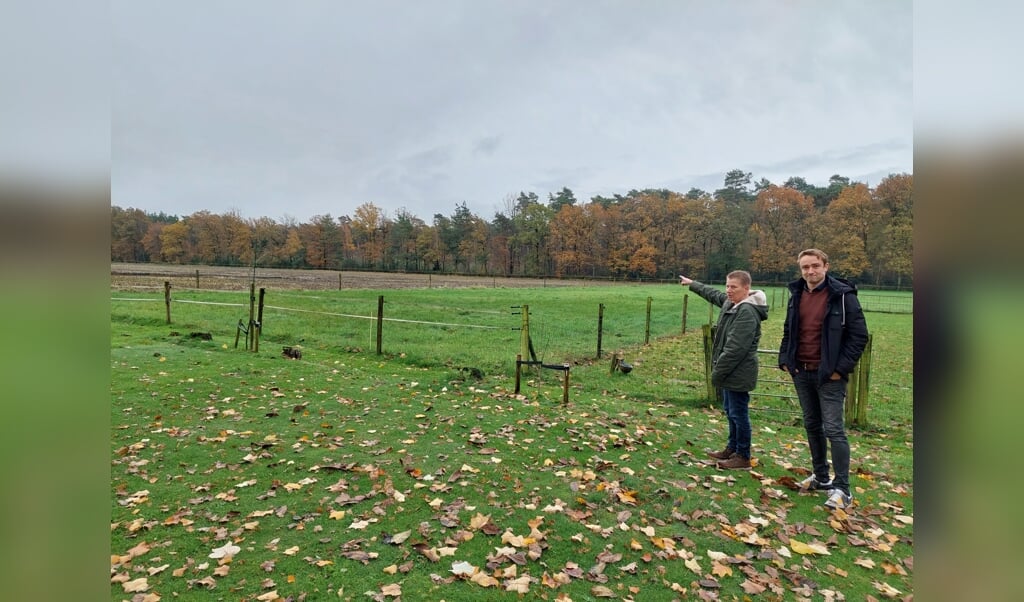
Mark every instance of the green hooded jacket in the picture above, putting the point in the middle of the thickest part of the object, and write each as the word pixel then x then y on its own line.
pixel 734 351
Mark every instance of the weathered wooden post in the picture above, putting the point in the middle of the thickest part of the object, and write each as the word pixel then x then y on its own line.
pixel 857 389
pixel 524 333
pixel 686 299
pixel 647 323
pixel 708 342
pixel 380 324
pixel 259 320
pixel 600 327
pixel 197 277
pixel 250 334
pixel 519 370
pixel 565 386
pixel 167 299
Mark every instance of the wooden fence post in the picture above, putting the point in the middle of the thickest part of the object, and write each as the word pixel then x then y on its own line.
pixel 600 327
pixel 708 342
pixel 686 299
pixel 259 320
pixel 250 336
pixel 565 386
pixel 380 323
pixel 647 323
pixel 339 281
pixel 855 411
pixel 167 298
pixel 524 333
pixel 519 359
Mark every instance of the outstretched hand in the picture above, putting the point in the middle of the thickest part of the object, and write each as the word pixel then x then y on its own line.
pixel 683 280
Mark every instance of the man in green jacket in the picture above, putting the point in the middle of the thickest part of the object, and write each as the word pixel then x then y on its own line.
pixel 734 357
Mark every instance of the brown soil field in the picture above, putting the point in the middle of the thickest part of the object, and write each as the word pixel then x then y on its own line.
pixel 144 276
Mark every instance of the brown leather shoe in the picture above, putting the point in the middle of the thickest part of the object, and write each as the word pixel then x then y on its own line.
pixel 725 454
pixel 736 461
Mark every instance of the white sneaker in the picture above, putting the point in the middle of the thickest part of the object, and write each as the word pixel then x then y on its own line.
pixel 812 482
pixel 837 498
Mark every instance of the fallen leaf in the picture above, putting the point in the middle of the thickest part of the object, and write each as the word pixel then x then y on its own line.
pixel 393 589
pixel 804 548
pixel 463 568
pixel 484 580
pixel 520 585
pixel 886 590
pixel 600 591
pixel 227 550
pixel 136 585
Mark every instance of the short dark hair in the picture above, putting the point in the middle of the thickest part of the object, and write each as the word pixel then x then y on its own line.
pixel 815 252
pixel 741 275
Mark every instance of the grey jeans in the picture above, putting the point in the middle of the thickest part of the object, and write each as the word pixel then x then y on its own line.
pixel 822 407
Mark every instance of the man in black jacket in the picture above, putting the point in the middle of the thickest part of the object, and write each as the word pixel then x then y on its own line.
pixel 822 339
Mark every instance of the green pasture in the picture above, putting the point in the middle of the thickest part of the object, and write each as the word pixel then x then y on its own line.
pixel 355 476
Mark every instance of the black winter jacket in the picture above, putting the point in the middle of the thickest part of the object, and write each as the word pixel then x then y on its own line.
pixel 844 333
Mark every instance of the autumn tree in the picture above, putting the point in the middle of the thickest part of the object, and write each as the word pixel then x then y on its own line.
pixel 572 240
pixel 211 239
pixel 848 225
pixel 176 244
pixel 128 228
pixel 895 196
pixel 781 218
pixel 369 225
pixel 322 241
pixel 243 245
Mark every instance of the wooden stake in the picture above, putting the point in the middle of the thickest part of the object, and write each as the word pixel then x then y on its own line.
pixel 167 298
pixel 380 324
pixel 519 359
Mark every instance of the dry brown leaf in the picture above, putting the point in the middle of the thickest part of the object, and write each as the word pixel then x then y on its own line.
pixel 519 585
pixel 138 550
pixel 886 590
pixel 393 589
pixel 484 580
pixel 600 591
pixel 136 585
pixel 749 587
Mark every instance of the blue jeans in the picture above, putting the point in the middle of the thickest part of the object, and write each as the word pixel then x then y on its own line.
pixel 737 409
pixel 823 407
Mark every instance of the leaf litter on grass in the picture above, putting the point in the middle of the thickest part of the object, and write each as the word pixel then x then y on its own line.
pixel 298 483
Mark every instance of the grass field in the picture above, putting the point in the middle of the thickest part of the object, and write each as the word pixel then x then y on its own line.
pixel 351 475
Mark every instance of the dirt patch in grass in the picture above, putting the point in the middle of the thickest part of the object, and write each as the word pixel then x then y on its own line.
pixel 135 276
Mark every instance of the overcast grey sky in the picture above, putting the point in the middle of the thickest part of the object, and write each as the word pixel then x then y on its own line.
pixel 297 109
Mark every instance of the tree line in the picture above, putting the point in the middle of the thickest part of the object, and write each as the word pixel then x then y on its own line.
pixel 651 233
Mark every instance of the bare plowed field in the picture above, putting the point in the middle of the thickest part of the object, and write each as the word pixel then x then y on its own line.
pixel 140 276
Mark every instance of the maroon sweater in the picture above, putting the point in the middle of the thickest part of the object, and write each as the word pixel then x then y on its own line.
pixel 812 316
